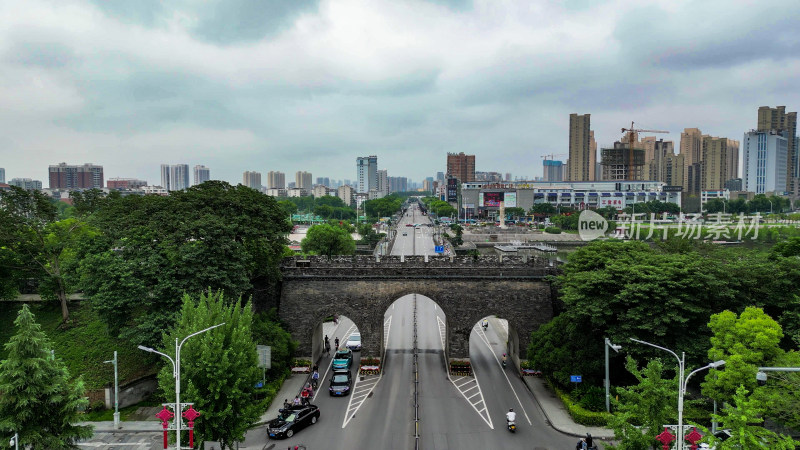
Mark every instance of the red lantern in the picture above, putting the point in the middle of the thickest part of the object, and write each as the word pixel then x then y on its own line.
pixel 665 438
pixel 693 438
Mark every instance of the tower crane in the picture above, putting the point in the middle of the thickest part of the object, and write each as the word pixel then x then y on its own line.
pixel 631 132
pixel 552 156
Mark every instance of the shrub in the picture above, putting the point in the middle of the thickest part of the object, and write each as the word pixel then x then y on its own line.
pixel 552 230
pixel 579 414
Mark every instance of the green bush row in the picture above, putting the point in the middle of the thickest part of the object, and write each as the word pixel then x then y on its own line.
pixel 581 415
pixel 552 230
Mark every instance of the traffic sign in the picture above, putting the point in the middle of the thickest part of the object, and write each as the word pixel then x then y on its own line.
pixel 439 249
pixel 264 356
pixel 575 378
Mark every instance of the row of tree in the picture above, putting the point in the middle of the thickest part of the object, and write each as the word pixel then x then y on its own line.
pixel 759 204
pixel 681 295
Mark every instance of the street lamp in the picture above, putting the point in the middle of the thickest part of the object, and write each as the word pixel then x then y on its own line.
pixel 176 373
pixel 608 383
pixel 15 441
pixel 681 382
pixel 116 390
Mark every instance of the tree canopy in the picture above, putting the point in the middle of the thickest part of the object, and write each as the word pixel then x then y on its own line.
pixel 38 399
pixel 326 239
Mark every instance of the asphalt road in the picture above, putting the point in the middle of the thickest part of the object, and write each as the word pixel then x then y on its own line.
pixel 454 412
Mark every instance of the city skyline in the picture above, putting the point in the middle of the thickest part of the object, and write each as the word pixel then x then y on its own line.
pixel 496 81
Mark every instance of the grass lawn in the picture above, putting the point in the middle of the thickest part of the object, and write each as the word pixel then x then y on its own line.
pixel 83 344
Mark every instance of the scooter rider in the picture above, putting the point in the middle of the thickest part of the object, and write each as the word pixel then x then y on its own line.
pixel 511 416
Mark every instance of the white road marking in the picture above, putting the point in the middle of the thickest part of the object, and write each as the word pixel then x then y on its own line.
pixel 483 337
pixel 470 384
pixel 366 386
pixel 330 364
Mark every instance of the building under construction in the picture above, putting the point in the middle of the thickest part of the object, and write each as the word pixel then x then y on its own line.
pixel 620 163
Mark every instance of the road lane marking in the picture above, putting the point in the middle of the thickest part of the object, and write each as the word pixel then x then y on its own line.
pixel 485 339
pixel 358 399
pixel 330 364
pixel 470 384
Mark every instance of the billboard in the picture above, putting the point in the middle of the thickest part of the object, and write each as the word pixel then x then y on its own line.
pixel 510 200
pixel 672 188
pixel 452 190
pixel 618 202
pixel 492 199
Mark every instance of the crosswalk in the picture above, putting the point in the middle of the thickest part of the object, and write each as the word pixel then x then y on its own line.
pixel 363 387
pixel 468 386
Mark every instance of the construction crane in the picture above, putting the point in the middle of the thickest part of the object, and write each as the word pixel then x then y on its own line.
pixel 631 132
pixel 552 156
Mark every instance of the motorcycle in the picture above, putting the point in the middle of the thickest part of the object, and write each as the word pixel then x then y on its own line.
pixel 512 425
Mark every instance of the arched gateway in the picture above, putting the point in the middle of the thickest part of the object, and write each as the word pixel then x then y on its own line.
pixel 465 288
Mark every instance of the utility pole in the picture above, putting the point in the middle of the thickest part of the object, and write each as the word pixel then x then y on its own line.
pixel 116 389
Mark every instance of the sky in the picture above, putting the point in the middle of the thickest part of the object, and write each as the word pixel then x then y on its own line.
pixel 310 85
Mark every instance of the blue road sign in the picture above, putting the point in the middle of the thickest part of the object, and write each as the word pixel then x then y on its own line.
pixel 439 249
pixel 575 378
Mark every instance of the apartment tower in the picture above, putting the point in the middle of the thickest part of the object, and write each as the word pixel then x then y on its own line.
pixel 302 180
pixel 784 124
pixel 582 159
pixel 252 180
pixel 276 180
pixel 366 174
pixel 201 174
pixel 65 176
pixel 461 166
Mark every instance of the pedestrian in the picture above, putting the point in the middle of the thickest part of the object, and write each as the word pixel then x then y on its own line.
pixel 336 341
pixel 286 404
pixel 327 345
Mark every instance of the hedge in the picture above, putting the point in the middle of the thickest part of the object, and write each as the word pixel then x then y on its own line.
pixel 580 415
pixel 552 230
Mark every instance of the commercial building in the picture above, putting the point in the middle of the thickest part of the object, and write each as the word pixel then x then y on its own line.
pixel 582 149
pixel 2 175
pixel 276 180
pixel 125 183
pixel 201 174
pixel 65 176
pixel 366 173
pixel 483 199
pixel 175 177
pixel 461 166
pixel 383 183
pixel 552 170
pixel 26 183
pixel 764 161
pixel 346 192
pixel 302 180
pixel 784 124
pixel 252 180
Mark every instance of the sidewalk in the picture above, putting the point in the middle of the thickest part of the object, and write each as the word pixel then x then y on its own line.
pixel 557 415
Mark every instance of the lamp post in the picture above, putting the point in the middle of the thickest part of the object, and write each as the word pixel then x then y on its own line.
pixel 616 348
pixel 176 373
pixel 681 382
pixel 116 390
pixel 15 441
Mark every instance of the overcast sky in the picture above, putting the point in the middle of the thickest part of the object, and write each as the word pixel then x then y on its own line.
pixel 310 85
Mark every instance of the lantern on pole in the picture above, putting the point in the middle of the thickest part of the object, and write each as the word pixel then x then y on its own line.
pixel 165 415
pixel 190 415
pixel 693 438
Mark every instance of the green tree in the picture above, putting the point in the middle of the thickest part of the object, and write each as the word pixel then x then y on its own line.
pixel 743 417
pixel 153 249
pixel 328 240
pixel 543 208
pixel 267 330
pixel 716 205
pixel 37 398
pixel 644 408
pixel 745 343
pixel 514 212
pixel 219 368
pixel 29 228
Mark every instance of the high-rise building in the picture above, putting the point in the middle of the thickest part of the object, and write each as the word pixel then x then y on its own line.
pixel 383 182
pixel 461 166
pixel 175 177
pixel 324 181
pixel 399 184
pixel 581 157
pixel 320 190
pixel 732 171
pixel 276 180
pixel 765 161
pixel 692 151
pixel 252 180
pixel 87 176
pixel 552 170
pixel 621 163
pixel 2 175
pixel 303 180
pixel 201 174
pixel 784 124
pixel 125 183
pixel 714 163
pixel 673 170
pixel 26 183
pixel 366 173
pixel 657 151
pixel 346 192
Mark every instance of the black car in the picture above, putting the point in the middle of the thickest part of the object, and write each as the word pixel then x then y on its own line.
pixel 341 383
pixel 291 420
